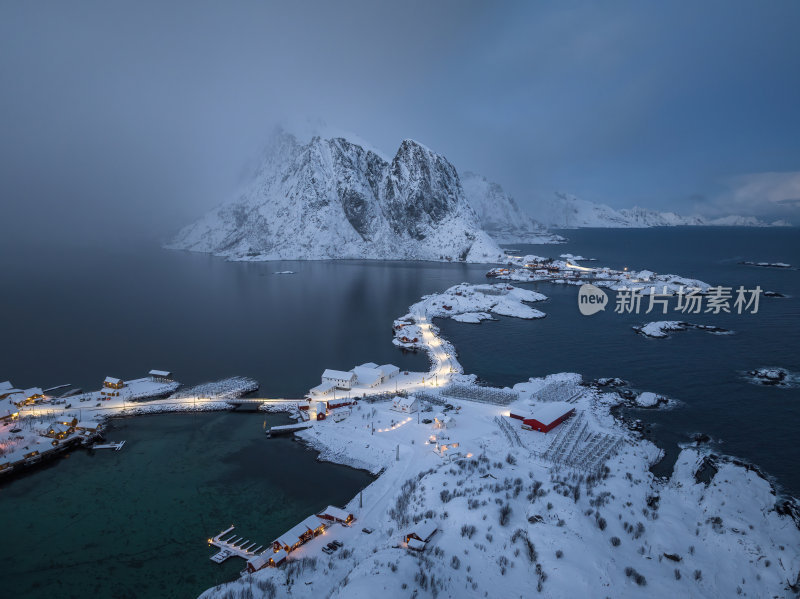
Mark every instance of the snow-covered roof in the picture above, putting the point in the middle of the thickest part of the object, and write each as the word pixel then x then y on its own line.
pixel 425 529
pixel 112 380
pixel 7 386
pixel 323 388
pixel 58 427
pixel 367 365
pixel 312 522
pixel 388 369
pixel 416 545
pixel 550 411
pixel 160 373
pixel 87 425
pixel 405 401
pixel 291 536
pixel 279 556
pixel 32 391
pixel 258 562
pixel 336 512
pixel 338 375
pixel 368 376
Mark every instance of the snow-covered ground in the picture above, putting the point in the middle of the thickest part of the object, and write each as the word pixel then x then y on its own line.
pixel 572 513
pixel 521 511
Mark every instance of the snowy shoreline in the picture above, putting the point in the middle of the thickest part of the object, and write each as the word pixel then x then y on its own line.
pixel 523 510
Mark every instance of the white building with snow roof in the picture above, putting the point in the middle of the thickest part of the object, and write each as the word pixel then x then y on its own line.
pixel 389 371
pixel 407 405
pixel 368 376
pixel 340 378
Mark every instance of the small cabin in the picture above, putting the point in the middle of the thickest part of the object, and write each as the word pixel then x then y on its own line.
pixel 277 558
pixel 406 405
pixel 113 383
pixel 422 531
pixel 28 396
pixel 59 430
pixel 448 450
pixel 299 534
pixel 336 514
pixel 256 563
pixel 87 426
pixel 323 389
pixel 443 421
pixel 8 415
pixel 318 409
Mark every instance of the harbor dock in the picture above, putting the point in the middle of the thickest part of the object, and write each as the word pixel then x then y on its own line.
pixel 232 546
pixel 288 429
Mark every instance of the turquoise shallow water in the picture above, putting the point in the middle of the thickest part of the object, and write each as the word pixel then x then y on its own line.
pixel 133 523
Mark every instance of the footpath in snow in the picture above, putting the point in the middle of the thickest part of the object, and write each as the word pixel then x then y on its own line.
pixel 506 511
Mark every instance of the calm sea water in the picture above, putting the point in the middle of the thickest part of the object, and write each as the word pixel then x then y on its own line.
pixel 134 523
pixel 703 371
pixel 76 316
pixel 129 524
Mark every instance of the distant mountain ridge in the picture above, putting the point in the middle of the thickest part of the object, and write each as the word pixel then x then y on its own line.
pixel 330 198
pixel 567 211
pixel 500 215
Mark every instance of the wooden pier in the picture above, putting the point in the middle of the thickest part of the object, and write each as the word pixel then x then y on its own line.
pixel 288 429
pixel 232 546
pixel 114 446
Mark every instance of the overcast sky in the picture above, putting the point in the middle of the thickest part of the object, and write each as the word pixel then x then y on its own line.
pixel 140 116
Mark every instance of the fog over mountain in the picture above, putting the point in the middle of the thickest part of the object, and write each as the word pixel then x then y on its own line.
pixel 330 198
pixel 142 115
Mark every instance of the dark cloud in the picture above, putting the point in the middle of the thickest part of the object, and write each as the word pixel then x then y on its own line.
pixel 126 120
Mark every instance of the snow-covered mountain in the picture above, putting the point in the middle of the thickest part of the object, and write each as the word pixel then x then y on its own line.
pixel 567 211
pixel 500 215
pixel 330 198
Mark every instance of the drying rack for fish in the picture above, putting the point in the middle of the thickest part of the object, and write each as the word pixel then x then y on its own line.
pixel 232 546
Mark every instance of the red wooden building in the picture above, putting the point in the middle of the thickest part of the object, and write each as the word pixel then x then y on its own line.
pixel 546 416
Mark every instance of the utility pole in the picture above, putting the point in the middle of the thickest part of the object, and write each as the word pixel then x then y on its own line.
pixel 397 456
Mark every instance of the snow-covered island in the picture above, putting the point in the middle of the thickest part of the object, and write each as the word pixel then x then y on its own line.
pixel 767 264
pixel 661 328
pixel 474 500
pixel 776 377
pixel 466 303
pixel 533 268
